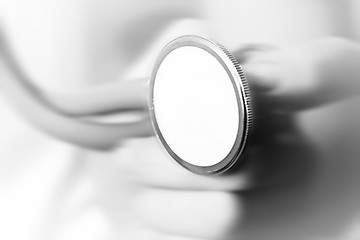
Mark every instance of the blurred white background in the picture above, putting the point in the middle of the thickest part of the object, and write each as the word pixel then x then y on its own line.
pixel 52 190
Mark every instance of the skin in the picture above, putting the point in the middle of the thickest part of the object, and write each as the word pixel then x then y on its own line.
pixel 293 186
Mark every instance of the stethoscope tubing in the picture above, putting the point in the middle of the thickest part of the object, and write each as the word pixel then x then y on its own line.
pixel 61 115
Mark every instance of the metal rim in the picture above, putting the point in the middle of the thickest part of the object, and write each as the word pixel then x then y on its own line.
pixel 242 93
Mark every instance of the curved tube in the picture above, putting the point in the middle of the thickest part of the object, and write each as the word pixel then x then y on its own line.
pixel 55 116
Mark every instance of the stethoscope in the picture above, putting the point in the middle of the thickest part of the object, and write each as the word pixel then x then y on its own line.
pixel 197 102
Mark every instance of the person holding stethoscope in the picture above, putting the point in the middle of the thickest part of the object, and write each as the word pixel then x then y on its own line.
pixel 282 175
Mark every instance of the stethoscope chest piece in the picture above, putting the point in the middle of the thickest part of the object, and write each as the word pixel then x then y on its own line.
pixel 200 105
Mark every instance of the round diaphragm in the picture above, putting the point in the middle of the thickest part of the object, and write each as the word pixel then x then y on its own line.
pixel 200 105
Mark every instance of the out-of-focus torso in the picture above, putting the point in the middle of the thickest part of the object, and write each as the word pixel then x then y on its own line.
pixel 66 44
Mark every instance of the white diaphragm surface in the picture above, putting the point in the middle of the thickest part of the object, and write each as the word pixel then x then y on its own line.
pixel 195 106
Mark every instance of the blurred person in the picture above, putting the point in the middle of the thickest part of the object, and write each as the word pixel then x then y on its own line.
pixel 300 178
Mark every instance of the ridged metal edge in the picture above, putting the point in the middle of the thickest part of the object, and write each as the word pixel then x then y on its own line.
pixel 244 87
